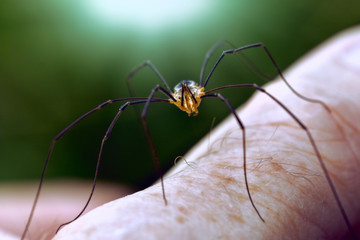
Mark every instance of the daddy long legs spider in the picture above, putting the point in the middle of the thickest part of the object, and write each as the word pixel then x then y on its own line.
pixel 187 96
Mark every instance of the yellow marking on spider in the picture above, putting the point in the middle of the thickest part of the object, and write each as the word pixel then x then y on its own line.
pixel 188 96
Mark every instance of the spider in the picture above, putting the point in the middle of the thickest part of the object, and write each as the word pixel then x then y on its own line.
pixel 187 96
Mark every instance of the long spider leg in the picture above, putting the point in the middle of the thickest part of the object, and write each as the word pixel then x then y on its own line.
pixel 141 66
pixel 318 155
pixel 148 135
pixel 255 45
pixel 146 130
pixel 107 134
pixel 57 137
pixel 241 57
pixel 158 74
pixel 208 55
pixel 223 99
pixel 150 144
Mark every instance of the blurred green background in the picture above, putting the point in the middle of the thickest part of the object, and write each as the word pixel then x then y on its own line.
pixel 61 58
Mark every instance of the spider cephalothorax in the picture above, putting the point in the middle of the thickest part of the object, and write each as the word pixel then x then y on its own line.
pixel 188 96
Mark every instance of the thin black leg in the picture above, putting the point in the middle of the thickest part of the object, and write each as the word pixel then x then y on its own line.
pixel 57 137
pixel 208 55
pixel 241 57
pixel 255 45
pixel 223 99
pixel 317 152
pixel 152 67
pixel 149 138
pixel 107 135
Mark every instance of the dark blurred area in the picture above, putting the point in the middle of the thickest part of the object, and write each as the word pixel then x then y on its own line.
pixel 59 59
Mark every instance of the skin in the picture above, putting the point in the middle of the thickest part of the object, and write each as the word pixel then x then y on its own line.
pixel 206 196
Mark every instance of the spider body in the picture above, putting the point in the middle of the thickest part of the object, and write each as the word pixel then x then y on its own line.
pixel 187 94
